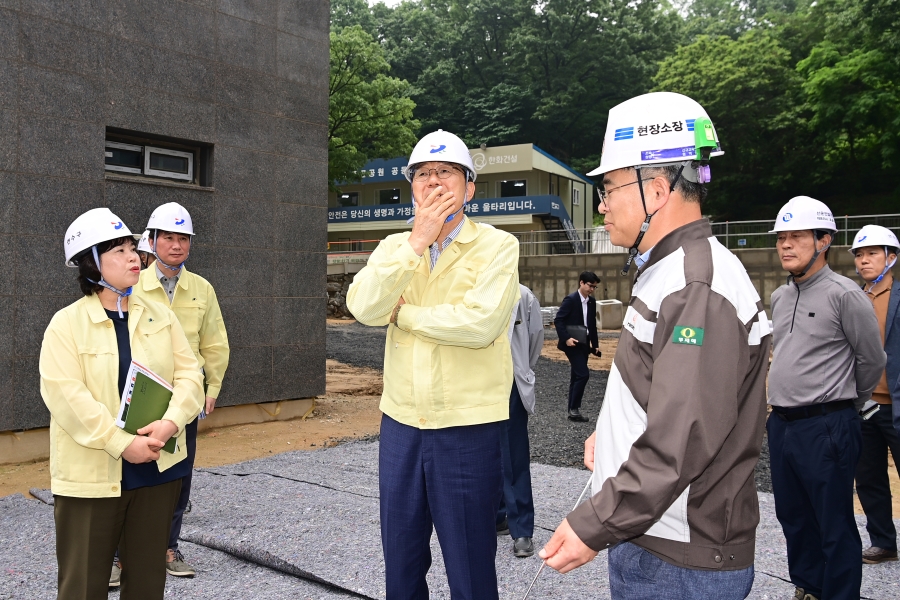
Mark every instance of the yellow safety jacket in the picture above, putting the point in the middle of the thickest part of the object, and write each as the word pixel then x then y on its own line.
pixel 197 309
pixel 79 365
pixel 447 361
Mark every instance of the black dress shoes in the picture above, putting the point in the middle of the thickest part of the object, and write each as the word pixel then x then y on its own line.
pixel 503 528
pixel 575 415
pixel 523 547
pixel 875 555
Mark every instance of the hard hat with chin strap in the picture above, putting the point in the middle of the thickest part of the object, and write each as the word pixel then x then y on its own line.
pixel 803 213
pixel 441 146
pixel 876 235
pixel 94 227
pixel 171 217
pixel 659 129
pixel 174 218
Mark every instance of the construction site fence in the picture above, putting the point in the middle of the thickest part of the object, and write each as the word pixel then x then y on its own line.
pixel 734 235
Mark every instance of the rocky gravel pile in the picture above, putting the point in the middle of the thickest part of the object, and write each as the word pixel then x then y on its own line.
pixel 554 439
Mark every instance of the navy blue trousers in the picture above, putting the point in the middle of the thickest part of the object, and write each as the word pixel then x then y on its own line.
pixel 813 462
pixel 190 432
pixel 517 504
pixel 872 484
pixel 578 358
pixel 449 480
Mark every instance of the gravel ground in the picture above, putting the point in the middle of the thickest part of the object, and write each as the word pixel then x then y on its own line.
pixel 274 527
pixel 554 439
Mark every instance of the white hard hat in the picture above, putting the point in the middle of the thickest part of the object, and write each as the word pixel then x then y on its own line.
pixel 875 235
pixel 93 227
pixel 657 129
pixel 803 212
pixel 443 146
pixel 144 244
pixel 171 217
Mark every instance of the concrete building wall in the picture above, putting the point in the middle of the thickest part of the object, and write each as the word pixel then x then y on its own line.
pixel 248 77
pixel 551 278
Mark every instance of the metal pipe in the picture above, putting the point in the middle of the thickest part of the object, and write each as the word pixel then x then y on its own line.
pixel 543 562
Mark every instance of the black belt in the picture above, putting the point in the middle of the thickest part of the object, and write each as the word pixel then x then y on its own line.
pixel 816 410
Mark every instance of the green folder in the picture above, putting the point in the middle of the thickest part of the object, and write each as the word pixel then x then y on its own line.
pixel 149 402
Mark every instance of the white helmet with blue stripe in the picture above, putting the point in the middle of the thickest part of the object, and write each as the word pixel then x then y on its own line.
pixel 171 217
pixel 96 226
pixel 656 129
pixel 875 235
pixel 441 146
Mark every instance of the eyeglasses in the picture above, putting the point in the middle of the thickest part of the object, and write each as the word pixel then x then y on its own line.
pixel 443 172
pixel 593 286
pixel 604 194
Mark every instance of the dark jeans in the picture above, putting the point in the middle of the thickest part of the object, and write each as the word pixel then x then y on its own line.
pixel 190 432
pixel 813 461
pixel 89 529
pixel 635 574
pixel 447 480
pixel 578 358
pixel 517 504
pixel 872 484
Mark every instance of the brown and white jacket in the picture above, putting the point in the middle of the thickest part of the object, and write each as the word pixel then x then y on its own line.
pixel 680 430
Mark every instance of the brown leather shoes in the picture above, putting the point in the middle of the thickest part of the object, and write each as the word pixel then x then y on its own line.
pixel 875 555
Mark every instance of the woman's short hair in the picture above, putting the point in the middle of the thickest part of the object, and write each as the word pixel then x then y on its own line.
pixel 87 268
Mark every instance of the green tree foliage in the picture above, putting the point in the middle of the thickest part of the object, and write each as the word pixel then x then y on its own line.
pixel 805 94
pixel 748 86
pixel 370 113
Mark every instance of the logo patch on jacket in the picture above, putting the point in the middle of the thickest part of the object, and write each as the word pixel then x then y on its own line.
pixel 692 336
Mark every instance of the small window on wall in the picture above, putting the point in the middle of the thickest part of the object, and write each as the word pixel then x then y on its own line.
pixel 512 188
pixel 391 196
pixel 348 198
pixel 158 157
pixel 172 164
pixel 576 196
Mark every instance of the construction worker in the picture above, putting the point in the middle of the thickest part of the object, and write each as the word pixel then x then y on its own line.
pixel 193 300
pixel 447 288
pixel 111 487
pixel 875 251
pixel 828 358
pixel 681 425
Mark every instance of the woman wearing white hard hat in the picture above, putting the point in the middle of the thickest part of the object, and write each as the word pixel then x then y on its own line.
pixel 447 289
pixel 827 360
pixel 85 357
pixel 170 233
pixel 875 250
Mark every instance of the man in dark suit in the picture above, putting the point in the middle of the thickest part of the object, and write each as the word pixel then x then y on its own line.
pixel 578 310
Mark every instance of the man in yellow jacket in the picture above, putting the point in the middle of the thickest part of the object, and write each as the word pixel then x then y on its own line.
pixel 193 300
pixel 448 289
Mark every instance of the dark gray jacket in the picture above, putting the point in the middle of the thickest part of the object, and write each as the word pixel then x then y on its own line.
pixel 827 342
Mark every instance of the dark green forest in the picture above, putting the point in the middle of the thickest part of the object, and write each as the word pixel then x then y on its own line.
pixel 805 95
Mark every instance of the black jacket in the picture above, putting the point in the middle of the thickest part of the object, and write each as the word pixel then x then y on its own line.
pixel 570 313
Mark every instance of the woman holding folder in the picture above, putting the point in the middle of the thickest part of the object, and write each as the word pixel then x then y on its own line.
pixel 110 485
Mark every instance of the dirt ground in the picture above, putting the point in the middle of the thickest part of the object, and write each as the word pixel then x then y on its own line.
pixel 349 409
pixel 604 363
